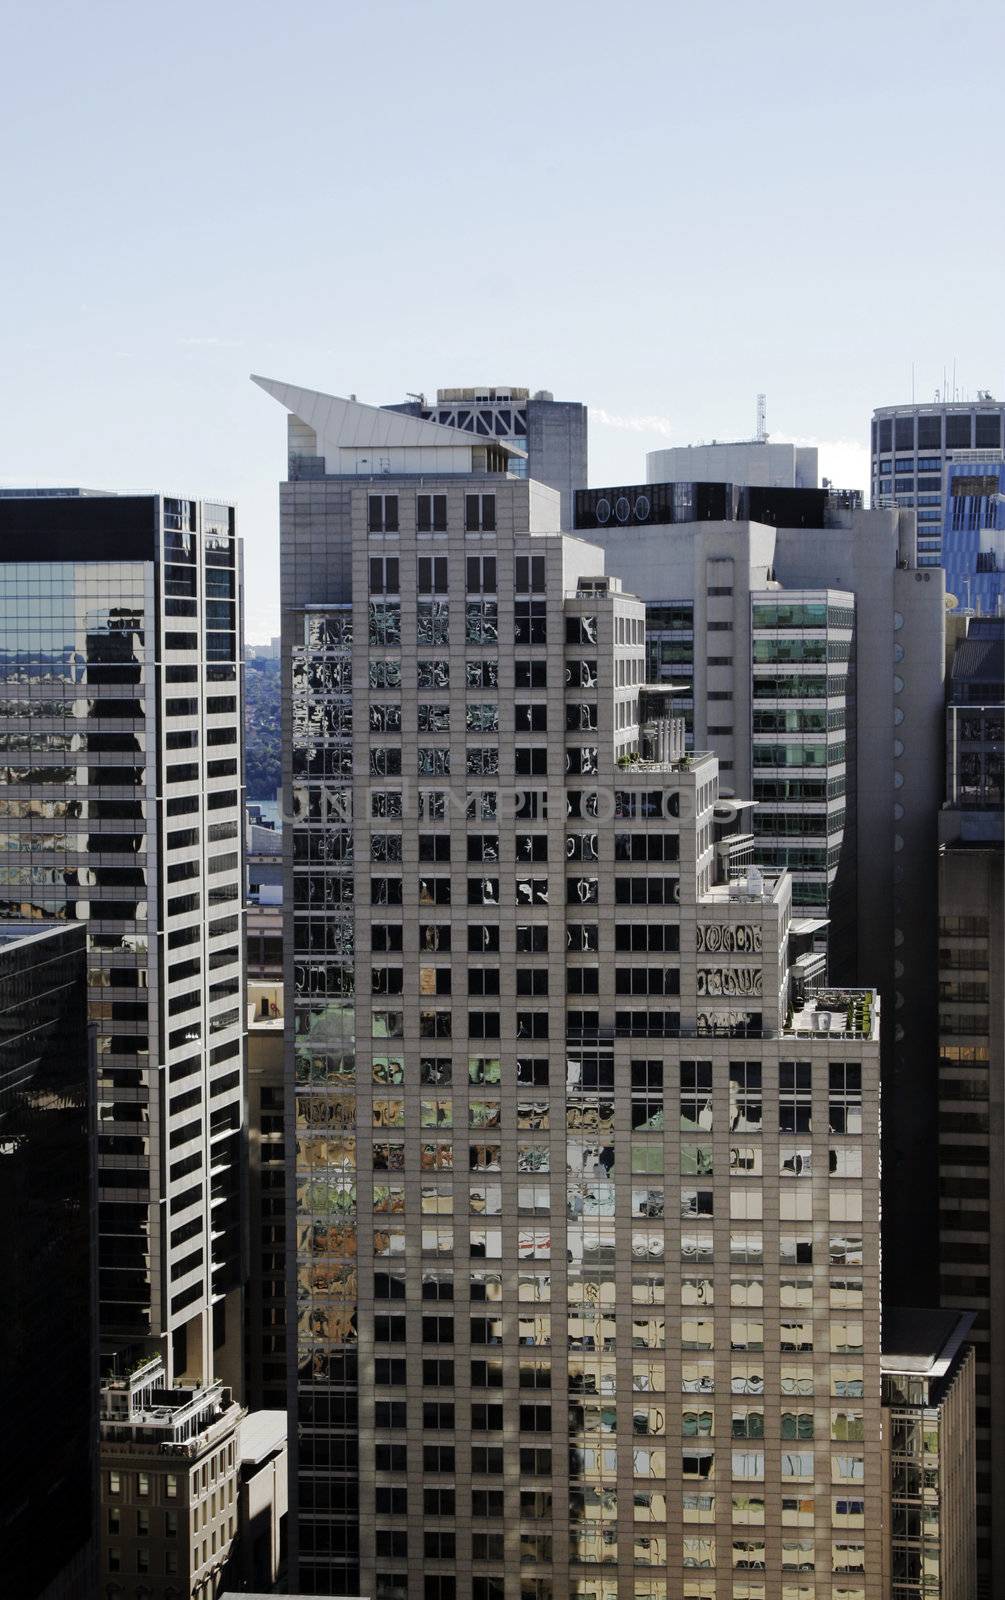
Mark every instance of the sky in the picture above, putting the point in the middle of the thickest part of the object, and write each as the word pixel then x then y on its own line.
pixel 658 209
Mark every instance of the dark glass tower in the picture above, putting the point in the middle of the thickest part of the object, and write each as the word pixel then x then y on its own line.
pixel 48 1354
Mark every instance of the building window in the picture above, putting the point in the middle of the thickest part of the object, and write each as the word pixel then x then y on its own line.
pixel 384 575
pixel 481 575
pixel 431 575
pixel 431 513
pixel 529 575
pixel 479 513
pixel 382 514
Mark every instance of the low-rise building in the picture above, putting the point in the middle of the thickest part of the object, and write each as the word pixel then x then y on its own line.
pixel 259 1557
pixel 169 1465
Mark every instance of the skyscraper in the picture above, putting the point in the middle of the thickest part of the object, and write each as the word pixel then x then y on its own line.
pixel 812 645
pixel 121 618
pixel 585 1218
pixel 971 889
pixel 48 1467
pixel 911 447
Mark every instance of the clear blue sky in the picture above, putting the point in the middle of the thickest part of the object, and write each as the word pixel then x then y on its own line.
pixel 657 208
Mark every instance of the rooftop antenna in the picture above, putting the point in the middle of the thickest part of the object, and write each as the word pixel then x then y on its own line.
pixel 762 419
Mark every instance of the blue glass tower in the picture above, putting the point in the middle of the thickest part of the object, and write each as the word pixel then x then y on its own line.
pixel 973 534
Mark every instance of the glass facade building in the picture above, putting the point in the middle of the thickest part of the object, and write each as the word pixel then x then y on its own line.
pixel 928 1403
pixel 803 722
pixel 971 885
pixel 584 1232
pixel 912 448
pixel 48 1470
pixel 973 535
pixel 121 815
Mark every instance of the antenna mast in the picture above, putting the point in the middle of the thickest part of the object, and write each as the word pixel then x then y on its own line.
pixel 762 419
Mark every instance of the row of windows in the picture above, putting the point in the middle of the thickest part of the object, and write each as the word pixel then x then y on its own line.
pixel 485 891
pixel 481 623
pixel 432 575
pixel 805 614
pixel 431 513
pixel 961 432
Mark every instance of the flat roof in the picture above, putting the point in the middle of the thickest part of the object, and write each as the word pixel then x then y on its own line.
pixel 917 1339
pixel 262 1433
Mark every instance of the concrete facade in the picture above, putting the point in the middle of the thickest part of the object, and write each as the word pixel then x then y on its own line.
pixel 769 464
pixel 889 691
pixel 169 1468
pixel 259 1556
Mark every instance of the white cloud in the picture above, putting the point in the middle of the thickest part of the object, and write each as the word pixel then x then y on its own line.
pixel 655 424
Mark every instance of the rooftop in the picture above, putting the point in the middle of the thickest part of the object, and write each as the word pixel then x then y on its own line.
pixel 839 1013
pixel 139 1409
pixel 262 1434
pixel 922 1340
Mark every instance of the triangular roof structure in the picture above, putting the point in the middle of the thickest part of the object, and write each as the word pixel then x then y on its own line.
pixel 342 424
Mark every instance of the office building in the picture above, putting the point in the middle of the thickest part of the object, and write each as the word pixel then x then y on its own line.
pixel 586 1219
pixel 813 647
pixel 972 1051
pixel 973 534
pixel 752 660
pixel 928 1447
pixel 48 1265
pixel 768 464
pixel 911 448
pixel 122 806
pixel 169 1469
pixel 548 437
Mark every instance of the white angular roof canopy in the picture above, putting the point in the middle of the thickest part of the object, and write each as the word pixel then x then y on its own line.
pixel 342 424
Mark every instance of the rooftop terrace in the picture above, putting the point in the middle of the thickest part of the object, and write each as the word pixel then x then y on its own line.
pixel 837 1013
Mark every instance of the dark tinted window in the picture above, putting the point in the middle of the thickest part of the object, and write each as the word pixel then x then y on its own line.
pixel 904 433
pixel 886 434
pixel 987 432
pixel 957 433
pixel 929 433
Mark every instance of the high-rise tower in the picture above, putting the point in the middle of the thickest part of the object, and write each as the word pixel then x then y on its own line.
pixel 912 449
pixel 585 1194
pixel 122 790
